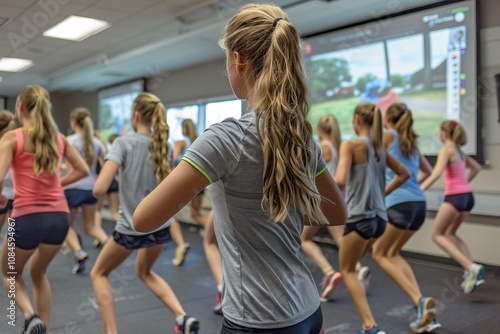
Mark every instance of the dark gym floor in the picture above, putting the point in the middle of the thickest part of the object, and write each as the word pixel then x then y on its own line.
pixel 74 309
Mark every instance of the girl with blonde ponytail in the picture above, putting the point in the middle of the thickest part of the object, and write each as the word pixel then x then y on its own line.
pixel 79 194
pixel 142 160
pixel 268 180
pixel 361 171
pixel 458 200
pixel 406 210
pixel 6 124
pixel 34 154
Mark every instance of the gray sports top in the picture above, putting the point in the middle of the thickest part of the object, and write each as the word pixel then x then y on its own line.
pixel 365 193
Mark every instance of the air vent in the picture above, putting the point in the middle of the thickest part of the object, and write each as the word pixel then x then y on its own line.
pixel 205 10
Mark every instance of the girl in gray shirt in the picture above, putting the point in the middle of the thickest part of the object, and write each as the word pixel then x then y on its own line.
pixel 268 180
pixel 142 160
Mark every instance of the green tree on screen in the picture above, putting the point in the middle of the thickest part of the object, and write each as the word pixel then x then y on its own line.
pixel 361 83
pixel 329 74
pixel 397 80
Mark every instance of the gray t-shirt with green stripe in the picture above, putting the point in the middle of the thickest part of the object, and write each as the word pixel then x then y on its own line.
pixel 266 282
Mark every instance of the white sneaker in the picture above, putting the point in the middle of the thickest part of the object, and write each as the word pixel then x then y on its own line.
pixel 364 276
pixel 473 277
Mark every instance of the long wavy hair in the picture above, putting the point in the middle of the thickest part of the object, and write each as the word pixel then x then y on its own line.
pixel 272 51
pixel 36 100
pixel 82 118
pixel 153 114
pixel 401 117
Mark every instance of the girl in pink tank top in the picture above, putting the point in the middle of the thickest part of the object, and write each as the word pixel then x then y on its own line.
pixel 458 200
pixel 39 219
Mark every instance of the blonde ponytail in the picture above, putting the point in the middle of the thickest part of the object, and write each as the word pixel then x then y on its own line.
pixel 401 117
pixel 153 114
pixel 330 125
pixel 36 100
pixel 270 44
pixel 371 116
pixel 82 118
pixel 6 122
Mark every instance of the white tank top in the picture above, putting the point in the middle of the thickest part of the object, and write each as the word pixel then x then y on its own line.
pixel 331 165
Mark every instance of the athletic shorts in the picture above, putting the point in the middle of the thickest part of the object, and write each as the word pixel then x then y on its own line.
pixel 461 202
pixel 40 228
pixel 7 208
pixel 113 188
pixel 407 215
pixel 77 197
pixel 367 228
pixel 311 325
pixel 142 241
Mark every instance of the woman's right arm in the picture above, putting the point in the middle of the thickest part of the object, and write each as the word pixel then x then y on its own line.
pixel 441 162
pixel 344 165
pixel 474 166
pixel 425 168
pixel 326 152
pixel 79 168
pixel 7 148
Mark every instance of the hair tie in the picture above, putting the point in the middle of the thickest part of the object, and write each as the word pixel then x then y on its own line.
pixel 455 124
pixel 156 102
pixel 276 21
pixel 405 109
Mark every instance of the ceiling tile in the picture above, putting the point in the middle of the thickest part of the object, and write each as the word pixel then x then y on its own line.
pixel 111 16
pixel 128 6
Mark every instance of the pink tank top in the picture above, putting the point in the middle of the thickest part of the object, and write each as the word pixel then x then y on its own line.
pixel 33 194
pixel 455 178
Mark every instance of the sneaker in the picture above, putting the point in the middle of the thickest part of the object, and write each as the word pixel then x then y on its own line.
pixel 34 325
pixel 329 285
pixel 189 325
pixel 96 244
pixel 374 330
pixel 425 313
pixel 432 326
pixel 79 263
pixel 180 254
pixel 475 275
pixel 218 304
pixel 364 276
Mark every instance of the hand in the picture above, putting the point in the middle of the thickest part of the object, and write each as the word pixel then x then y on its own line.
pixel 3 201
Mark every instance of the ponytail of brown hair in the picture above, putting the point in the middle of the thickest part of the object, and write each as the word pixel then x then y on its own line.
pixel 83 119
pixel 330 125
pixel 455 131
pixel 154 115
pixel 371 116
pixel 6 122
pixel 36 100
pixel 272 51
pixel 402 118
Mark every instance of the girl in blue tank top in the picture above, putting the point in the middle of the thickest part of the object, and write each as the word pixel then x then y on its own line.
pixel 361 167
pixel 406 211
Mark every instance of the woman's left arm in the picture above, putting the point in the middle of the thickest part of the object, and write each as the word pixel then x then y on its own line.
pixel 171 195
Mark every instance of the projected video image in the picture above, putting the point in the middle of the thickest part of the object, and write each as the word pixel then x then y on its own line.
pixel 422 59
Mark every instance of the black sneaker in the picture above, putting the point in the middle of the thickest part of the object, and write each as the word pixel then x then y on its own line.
pixel 189 326
pixel 34 325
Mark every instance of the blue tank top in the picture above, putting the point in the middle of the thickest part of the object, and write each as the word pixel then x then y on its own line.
pixel 365 189
pixel 410 190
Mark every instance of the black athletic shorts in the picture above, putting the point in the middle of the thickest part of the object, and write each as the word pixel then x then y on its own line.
pixel 142 241
pixel 407 215
pixel 40 228
pixel 311 325
pixel 461 202
pixel 367 228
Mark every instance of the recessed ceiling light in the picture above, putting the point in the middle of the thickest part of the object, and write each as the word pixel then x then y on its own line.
pixel 14 64
pixel 76 28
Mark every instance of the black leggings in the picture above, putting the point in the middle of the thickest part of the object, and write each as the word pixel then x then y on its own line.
pixel 311 325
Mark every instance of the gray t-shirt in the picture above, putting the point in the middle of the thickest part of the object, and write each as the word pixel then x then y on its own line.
pixel 137 178
pixel 365 192
pixel 77 140
pixel 8 187
pixel 266 282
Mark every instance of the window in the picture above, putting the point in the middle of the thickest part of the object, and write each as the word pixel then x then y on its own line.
pixel 176 115
pixel 218 111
